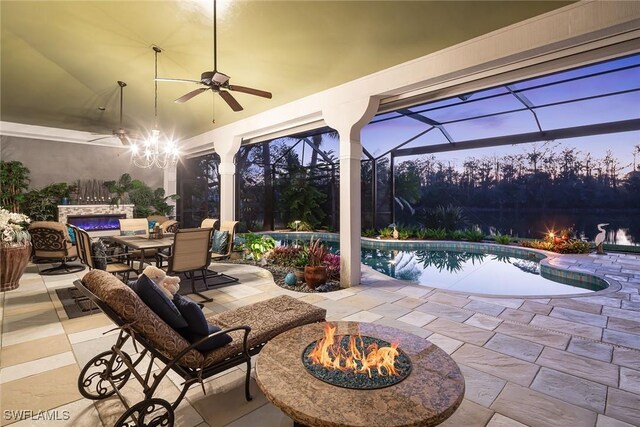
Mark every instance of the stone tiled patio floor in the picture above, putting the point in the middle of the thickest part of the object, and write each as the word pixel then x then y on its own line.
pixel 526 361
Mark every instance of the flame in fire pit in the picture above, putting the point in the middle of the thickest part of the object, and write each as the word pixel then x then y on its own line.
pixel 331 353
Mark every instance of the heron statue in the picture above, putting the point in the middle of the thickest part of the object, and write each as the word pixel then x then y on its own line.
pixel 600 237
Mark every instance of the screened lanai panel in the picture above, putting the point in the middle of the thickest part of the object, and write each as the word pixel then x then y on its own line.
pixel 488 127
pixel 474 108
pixel 431 138
pixel 600 110
pixel 602 84
pixel 378 138
pixel 580 72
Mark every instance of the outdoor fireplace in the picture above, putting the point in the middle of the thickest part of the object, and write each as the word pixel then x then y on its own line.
pixel 96 222
pixel 355 361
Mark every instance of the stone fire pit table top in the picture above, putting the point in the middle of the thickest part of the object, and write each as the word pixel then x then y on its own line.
pixel 429 395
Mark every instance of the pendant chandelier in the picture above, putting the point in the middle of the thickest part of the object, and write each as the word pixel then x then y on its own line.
pixel 156 150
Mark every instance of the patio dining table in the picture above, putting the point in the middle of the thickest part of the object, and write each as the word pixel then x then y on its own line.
pixel 143 244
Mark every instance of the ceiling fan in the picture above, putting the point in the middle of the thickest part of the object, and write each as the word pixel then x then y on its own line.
pixel 215 80
pixel 120 133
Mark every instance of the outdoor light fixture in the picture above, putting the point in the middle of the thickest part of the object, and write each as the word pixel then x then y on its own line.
pixel 156 150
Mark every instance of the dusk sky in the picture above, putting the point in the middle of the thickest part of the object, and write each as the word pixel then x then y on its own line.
pixel 380 137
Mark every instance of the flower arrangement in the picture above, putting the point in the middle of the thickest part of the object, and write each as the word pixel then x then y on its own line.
pixel 13 227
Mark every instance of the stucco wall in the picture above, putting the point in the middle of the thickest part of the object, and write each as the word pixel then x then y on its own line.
pixel 54 161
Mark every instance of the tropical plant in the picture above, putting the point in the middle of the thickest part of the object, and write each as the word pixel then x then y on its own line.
pixel 258 244
pixel 386 233
pixel 285 256
pixel 473 235
pixel 317 252
pixel 448 217
pixel 14 180
pixel 436 233
pixel 303 258
pixel 120 188
pixel 422 233
pixel 456 235
pixel 332 263
pixel 41 205
pixel 502 239
pixel 404 234
pixel 299 225
pixel 303 200
pixel 13 228
pixel 146 201
pixel 159 202
pixel 369 232
pixel 559 245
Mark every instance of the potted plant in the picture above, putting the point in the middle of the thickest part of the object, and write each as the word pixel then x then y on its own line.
pixel 15 248
pixel 315 273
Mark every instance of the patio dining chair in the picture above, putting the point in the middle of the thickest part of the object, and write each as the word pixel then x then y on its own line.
pixel 134 227
pixel 190 254
pixel 137 227
pixel 51 242
pixel 209 223
pixel 115 264
pixel 218 254
pixel 230 227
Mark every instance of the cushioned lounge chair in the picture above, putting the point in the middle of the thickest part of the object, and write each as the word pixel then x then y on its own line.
pixel 251 327
pixel 51 242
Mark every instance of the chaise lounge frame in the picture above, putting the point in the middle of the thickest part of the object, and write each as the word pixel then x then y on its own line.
pixel 106 373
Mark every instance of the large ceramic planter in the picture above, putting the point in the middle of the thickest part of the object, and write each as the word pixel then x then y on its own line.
pixel 13 261
pixel 315 276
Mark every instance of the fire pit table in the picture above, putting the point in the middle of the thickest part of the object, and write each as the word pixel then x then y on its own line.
pixel 428 390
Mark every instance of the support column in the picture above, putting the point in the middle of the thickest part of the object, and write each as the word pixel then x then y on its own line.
pixel 169 183
pixel 349 119
pixel 227 150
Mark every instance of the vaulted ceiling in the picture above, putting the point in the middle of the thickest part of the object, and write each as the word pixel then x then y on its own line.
pixel 60 60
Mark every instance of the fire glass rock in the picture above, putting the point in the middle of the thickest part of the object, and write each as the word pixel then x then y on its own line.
pixel 362 381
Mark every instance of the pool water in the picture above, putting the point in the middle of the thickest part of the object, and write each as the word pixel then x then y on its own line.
pixel 472 271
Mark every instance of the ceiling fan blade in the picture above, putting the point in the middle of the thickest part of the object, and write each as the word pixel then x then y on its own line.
pixel 251 91
pixel 229 99
pixel 177 80
pixel 98 139
pixel 188 96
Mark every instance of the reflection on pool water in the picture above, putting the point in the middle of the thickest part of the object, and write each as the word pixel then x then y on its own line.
pixel 474 271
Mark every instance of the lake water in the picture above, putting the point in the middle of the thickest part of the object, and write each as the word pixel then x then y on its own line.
pixel 623 228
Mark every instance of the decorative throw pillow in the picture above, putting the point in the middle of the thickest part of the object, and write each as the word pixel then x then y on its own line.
pixel 133 232
pixel 192 313
pixel 152 224
pixel 99 255
pixel 72 235
pixel 198 327
pixel 219 241
pixel 157 301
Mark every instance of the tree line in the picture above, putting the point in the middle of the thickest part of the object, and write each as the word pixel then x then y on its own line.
pixel 546 176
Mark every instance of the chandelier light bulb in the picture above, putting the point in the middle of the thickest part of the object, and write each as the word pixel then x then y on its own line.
pixel 158 151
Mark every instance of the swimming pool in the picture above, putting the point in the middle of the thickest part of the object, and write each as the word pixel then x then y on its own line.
pixel 471 268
